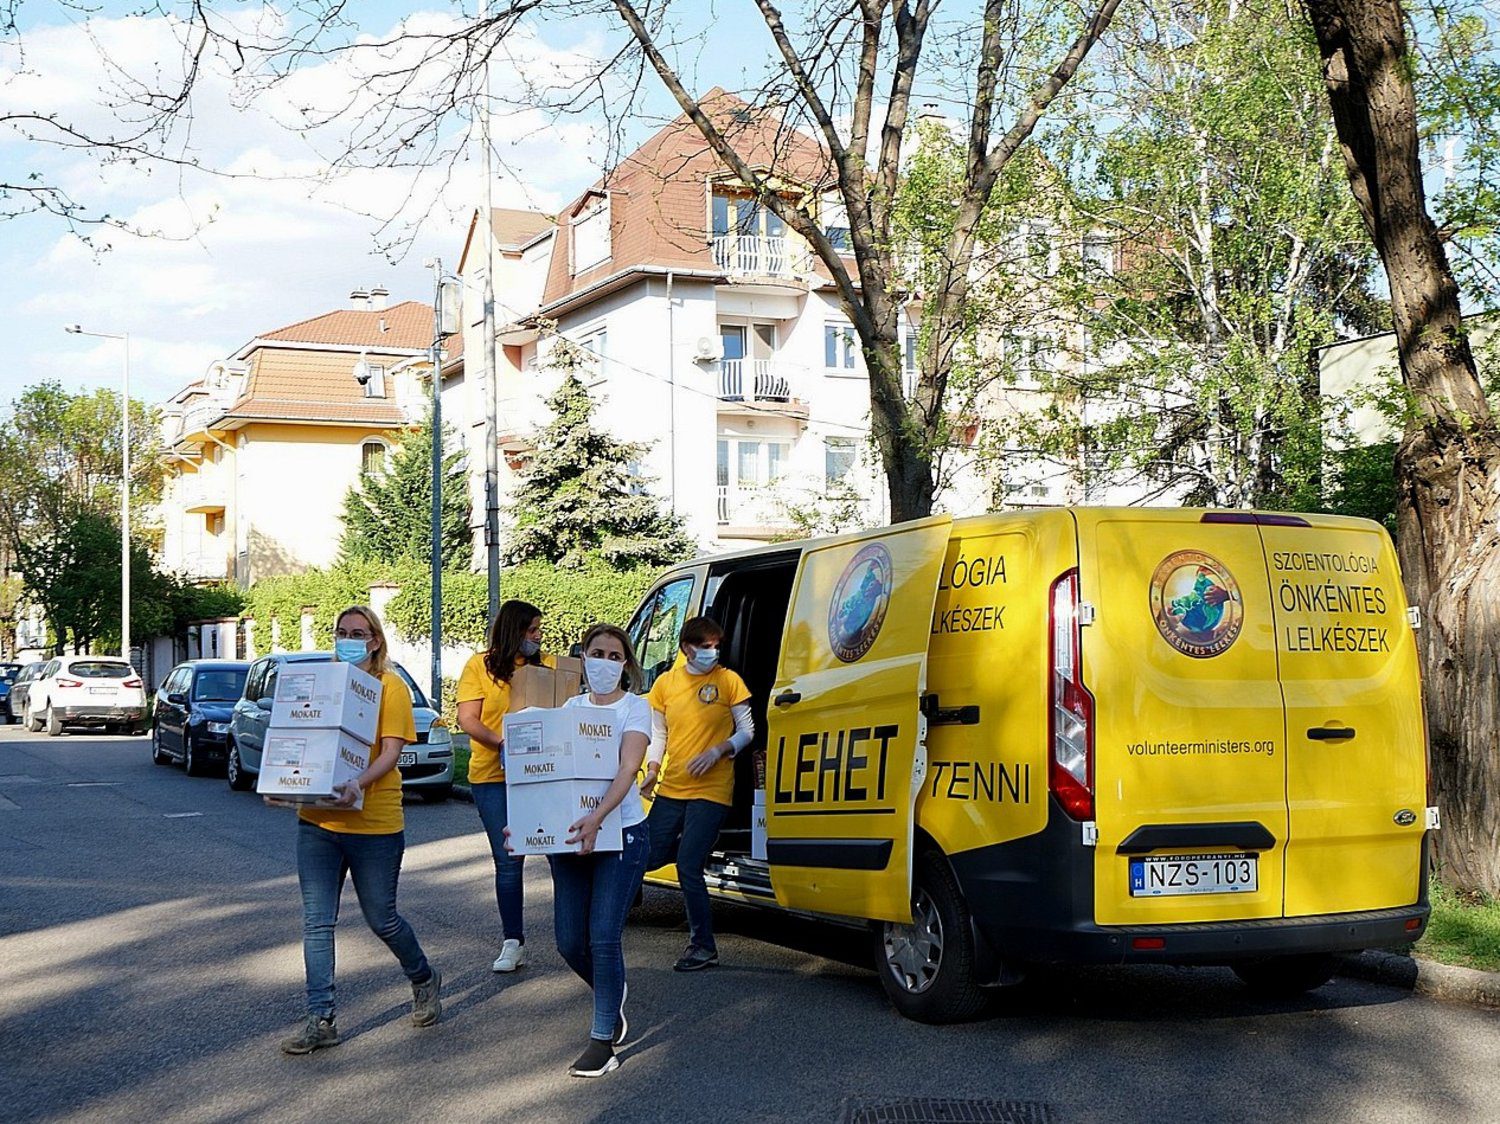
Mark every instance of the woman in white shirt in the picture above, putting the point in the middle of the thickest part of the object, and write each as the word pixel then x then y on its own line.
pixel 592 891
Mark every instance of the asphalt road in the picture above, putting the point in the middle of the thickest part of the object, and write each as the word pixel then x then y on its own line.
pixel 150 961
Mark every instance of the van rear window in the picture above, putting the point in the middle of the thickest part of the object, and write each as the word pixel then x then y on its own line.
pixel 100 669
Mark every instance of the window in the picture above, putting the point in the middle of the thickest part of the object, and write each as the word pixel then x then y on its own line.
pixel 839 348
pixel 372 458
pixel 1036 243
pixel 654 631
pixel 218 685
pixel 591 237
pixel 839 455
pixel 1098 255
pixel 597 344
pixel 835 218
pixel 743 216
pixel 374 380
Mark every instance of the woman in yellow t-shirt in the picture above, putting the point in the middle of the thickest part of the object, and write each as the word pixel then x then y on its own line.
pixel 483 699
pixel 368 842
pixel 700 720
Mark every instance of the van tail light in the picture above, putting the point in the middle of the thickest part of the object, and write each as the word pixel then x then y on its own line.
pixel 70 683
pixel 131 683
pixel 1070 774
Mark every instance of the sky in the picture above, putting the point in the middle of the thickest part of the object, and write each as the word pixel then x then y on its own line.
pixel 264 246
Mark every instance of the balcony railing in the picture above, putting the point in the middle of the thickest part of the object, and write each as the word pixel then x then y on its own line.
pixel 205 567
pixel 749 506
pixel 198 415
pixel 757 256
pixel 193 493
pixel 753 380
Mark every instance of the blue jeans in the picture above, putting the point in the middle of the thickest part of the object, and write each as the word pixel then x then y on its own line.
pixel 489 798
pixel 591 894
pixel 374 861
pixel 684 832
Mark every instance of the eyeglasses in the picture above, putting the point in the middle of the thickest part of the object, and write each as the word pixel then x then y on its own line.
pixel 356 634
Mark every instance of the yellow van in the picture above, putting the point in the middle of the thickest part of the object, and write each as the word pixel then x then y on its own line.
pixel 1074 736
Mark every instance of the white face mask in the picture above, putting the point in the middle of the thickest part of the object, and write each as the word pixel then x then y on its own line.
pixel 603 675
pixel 703 660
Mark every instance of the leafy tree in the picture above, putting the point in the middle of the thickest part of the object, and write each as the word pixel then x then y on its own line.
pixel 388 514
pixel 577 498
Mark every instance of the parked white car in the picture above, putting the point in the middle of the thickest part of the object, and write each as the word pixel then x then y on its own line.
pixel 87 691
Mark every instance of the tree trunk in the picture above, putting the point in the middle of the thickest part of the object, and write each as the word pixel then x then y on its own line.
pixel 1448 463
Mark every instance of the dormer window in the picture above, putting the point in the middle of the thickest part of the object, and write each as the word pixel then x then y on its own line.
pixel 591 235
pixel 375 382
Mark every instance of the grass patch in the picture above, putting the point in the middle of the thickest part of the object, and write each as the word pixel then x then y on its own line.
pixel 461 762
pixel 1464 930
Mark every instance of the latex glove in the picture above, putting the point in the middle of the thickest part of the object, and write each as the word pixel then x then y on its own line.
pixel 344 795
pixel 706 760
pixel 648 786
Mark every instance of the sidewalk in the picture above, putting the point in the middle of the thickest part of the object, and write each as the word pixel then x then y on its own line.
pixel 1425 977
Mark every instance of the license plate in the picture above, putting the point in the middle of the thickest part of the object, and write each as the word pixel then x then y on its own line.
pixel 1194 874
pixel 406 759
pixel 102 690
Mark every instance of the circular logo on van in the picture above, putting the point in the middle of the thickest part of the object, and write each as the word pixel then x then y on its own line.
pixel 859 603
pixel 1196 604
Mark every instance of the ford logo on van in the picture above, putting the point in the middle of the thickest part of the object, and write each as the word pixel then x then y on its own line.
pixel 1196 604
pixel 1405 817
pixel 860 599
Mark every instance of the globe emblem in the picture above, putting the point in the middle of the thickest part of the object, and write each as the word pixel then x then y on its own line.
pixel 859 603
pixel 1196 604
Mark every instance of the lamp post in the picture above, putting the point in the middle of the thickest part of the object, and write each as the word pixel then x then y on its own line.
pixel 123 337
pixel 446 321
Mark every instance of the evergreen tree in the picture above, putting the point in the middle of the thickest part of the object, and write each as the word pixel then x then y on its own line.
pixel 577 498
pixel 388 514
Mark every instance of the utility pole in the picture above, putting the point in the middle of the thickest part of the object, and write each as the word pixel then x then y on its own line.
pixel 491 365
pixel 447 319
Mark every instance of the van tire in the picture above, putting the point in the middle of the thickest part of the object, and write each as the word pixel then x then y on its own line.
pixel 951 992
pixel 1285 977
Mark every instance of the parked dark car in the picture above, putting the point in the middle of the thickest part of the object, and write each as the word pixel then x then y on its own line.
pixel 19 688
pixel 190 717
pixel 8 673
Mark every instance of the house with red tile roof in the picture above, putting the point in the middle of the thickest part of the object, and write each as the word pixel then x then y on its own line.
pixel 261 450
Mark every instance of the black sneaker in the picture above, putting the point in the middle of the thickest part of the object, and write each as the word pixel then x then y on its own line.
pixel 315 1034
pixel 622 1024
pixel 695 959
pixel 426 1002
pixel 596 1061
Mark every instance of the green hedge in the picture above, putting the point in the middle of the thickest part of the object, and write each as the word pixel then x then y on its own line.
pixel 570 601
pixel 327 591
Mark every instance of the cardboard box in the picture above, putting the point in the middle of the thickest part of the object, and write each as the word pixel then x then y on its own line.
pixel 304 766
pixel 561 743
pixel 531 685
pixel 541 813
pixel 327 696
pixel 758 826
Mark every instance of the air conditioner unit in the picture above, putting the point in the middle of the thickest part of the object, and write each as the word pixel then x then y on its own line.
pixel 710 349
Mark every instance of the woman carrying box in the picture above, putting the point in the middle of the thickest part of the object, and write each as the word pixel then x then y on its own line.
pixel 367 842
pixel 483 699
pixel 592 891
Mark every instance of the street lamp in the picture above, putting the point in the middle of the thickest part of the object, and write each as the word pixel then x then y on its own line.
pixel 446 321
pixel 123 337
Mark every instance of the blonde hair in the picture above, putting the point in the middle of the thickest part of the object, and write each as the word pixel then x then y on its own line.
pixel 379 658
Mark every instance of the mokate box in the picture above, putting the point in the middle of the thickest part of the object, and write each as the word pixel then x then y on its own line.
pixel 758 826
pixel 327 696
pixel 540 815
pixel 531 685
pixel 305 766
pixel 561 743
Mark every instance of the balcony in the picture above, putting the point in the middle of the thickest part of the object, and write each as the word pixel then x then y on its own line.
pixel 200 413
pixel 751 510
pixel 197 495
pixel 752 255
pixel 205 567
pixel 753 380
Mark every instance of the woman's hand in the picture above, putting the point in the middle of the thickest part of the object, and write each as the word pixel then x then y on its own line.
pixel 585 833
pixel 345 795
pixel 648 786
pixel 710 757
pixel 509 850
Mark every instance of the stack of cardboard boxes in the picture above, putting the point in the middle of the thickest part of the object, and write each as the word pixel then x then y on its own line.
pixel 323 722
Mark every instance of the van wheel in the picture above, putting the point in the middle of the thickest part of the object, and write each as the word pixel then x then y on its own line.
pixel 927 967
pixel 1284 977
pixel 234 771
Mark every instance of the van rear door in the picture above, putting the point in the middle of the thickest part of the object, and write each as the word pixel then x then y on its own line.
pixel 1356 759
pixel 1189 735
pixel 846 751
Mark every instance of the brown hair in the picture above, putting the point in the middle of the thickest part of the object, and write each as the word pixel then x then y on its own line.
pixel 633 677
pixel 510 627
pixel 697 630
pixel 380 654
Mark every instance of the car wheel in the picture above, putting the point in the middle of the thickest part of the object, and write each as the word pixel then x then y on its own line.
pixel 53 723
pixel 234 771
pixel 33 721
pixel 158 755
pixel 1285 977
pixel 190 765
pixel 927 966
pixel 437 793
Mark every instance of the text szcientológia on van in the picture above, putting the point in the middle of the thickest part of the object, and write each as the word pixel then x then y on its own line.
pixel 1330 597
pixel 838 765
pixel 965 573
pixel 1207 748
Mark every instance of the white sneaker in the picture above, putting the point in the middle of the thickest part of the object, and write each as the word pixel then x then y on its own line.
pixel 512 956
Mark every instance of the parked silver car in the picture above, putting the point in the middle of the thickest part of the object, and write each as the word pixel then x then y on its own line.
pixel 426 766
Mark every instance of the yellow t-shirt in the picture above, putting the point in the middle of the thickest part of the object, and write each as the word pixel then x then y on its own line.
pixel 382 813
pixel 696 708
pixel 475 684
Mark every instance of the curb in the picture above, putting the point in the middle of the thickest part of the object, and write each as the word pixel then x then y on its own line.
pixel 1424 977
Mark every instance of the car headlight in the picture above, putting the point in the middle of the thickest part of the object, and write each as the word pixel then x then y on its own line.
pixel 439 735
pixel 218 727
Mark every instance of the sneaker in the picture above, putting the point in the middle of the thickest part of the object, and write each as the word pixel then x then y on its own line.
pixel 512 956
pixel 695 959
pixel 426 1006
pixel 315 1034
pixel 622 1024
pixel 596 1061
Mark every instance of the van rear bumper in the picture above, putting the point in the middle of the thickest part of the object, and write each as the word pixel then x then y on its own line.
pixel 1032 900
